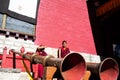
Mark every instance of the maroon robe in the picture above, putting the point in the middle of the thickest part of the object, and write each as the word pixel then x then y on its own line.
pixel 42 53
pixel 40 66
pixel 64 51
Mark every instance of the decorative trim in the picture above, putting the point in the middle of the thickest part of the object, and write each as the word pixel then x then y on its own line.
pixel 112 4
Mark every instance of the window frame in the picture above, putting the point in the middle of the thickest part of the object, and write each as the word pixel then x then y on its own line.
pixel 19 34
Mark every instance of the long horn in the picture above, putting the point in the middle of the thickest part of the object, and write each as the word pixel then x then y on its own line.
pixel 72 67
pixel 106 70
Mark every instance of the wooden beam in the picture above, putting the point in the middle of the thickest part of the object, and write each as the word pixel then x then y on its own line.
pixel 107 7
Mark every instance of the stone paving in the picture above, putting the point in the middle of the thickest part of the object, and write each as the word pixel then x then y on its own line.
pixel 12 74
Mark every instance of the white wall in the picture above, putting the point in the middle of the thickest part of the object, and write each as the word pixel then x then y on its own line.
pixel 12 43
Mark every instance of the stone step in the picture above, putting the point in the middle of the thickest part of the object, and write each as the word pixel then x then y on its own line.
pixel 13 74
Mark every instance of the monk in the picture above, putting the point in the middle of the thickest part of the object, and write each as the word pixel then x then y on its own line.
pixel 40 51
pixel 64 50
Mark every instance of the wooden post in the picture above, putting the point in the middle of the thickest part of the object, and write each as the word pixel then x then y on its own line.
pixel 49 72
pixel 4 21
pixel 14 60
pixel 4 57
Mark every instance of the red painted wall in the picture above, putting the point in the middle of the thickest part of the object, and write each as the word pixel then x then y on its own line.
pixel 65 20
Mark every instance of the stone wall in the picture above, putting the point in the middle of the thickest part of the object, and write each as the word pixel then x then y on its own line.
pixel 12 43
